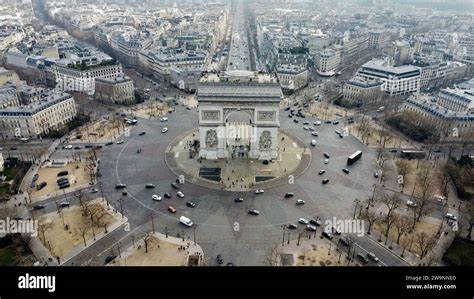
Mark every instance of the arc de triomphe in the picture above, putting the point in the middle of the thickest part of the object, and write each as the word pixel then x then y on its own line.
pixel 238 114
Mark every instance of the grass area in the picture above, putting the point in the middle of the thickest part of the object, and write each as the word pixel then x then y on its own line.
pixel 4 188
pixel 10 172
pixel 460 253
pixel 7 256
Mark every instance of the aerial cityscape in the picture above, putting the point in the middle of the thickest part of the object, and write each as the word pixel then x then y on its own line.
pixel 319 133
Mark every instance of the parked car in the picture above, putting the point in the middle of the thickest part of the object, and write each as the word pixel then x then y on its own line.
pixel 64 204
pixel 451 216
pixel 238 199
pixel 327 155
pixel 180 194
pixel 362 259
pixel 149 186
pixel 313 142
pixel 167 195
pixel 191 204
pixel 311 228
pixel 174 185
pixel 315 222
pixel 317 123
pixel 163 119
pixel 253 211
pixel 300 202
pixel 411 203
pixel 326 161
pixel 109 143
pixel 292 226
pixel 186 221
pixel 345 170
pixel 141 133
pixel 303 221
pixel 335 122
pixel 156 197
pixel 289 194
pixel 120 186
pixel 315 134
pixel 35 177
pixel 164 130
pixel 376 174
pixel 325 181
pixel 41 185
pixel 259 191
pixel 63 173
pixel 120 141
pixel 322 171
pixel 38 207
pixel 172 209
pixel 94 190
pixel 328 235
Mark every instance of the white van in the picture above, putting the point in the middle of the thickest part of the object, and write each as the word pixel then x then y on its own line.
pixel 186 221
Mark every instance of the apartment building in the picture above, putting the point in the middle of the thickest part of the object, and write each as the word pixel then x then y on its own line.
pixel 119 90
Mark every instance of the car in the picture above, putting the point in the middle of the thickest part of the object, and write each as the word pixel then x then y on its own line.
pixel 326 155
pixel 238 199
pixel 376 174
pixel 68 146
pixel 451 216
pixel 295 120
pixel 139 150
pixel 120 186
pixel 13 148
pixel 326 161
pixel 33 185
pixel 325 181
pixel 317 123
pixel 164 130
pixel 290 115
pixel 156 197
pixel 322 171
pixel 64 204
pixel 120 141
pixel 220 259
pixel 300 202
pixel 149 186
pixel 345 170
pixel 38 207
pixel 167 195
pixel 64 186
pixel 306 123
pixel 253 211
pixel 77 147
pixel 230 264
pixel 41 185
pixel 174 185
pixel 191 204
pixel 186 221
pixel 94 190
pixel 373 257
pixel 338 132
pixel 311 228
pixel 438 150
pixel 180 194
pixel 88 146
pixel 327 122
pixel 163 119
pixel 315 134
pixel 362 258
pixel 289 194
pixel 292 226
pixel 393 150
pixel 35 177
pixel 306 128
pixel 313 142
pixel 327 235
pixel 141 133
pixel 287 108
pixel 336 122
pixel 316 222
pixel 124 193
pixel 303 221
pixel 172 209
pixel 109 259
pixel 63 173
pixel 411 203
pixel 259 191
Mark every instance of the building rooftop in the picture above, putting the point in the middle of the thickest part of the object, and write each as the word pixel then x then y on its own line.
pixel 48 99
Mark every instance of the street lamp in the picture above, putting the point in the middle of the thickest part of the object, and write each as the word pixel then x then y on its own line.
pixel 283 240
pixel 357 201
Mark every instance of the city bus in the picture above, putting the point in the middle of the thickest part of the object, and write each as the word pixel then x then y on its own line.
pixel 409 154
pixel 354 157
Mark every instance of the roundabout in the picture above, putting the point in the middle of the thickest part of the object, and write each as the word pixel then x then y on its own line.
pixel 224 226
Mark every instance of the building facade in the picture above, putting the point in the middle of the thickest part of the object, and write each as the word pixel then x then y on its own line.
pixel 119 90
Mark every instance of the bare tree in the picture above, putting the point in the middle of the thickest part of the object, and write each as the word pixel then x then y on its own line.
pixel 404 168
pixel 424 204
pixel 402 225
pixel 425 243
pixel 146 239
pixel 371 218
pixel 24 241
pixel 82 231
pixel 392 202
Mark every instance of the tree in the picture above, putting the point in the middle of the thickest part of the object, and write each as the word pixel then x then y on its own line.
pixel 424 204
pixel 24 241
pixel 82 231
pixel 146 239
pixel 391 202
pixel 404 168
pixel 402 225
pixel 425 243
pixel 371 218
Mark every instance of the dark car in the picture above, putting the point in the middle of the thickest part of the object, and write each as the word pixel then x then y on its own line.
pixel 327 122
pixel 63 173
pixel 41 185
pixel 149 186
pixel 315 222
pixel 238 199
pixel 167 195
pixel 289 194
pixel 393 150
pixel 32 185
pixel 362 258
pixel 59 181
pixel 109 143
pixel 120 186
pixel 287 108
pixel 64 186
pixel 109 259
pixel 220 259
pixel 77 147
pixel 328 235
pixel 174 185
pixel 191 204
pixel 326 155
pixel 322 171
pixel 253 212
pixel 345 242
pixel 345 170
pixel 98 146
pixel 64 204
pixel 295 120
pixel 325 181
pixel 336 122
pixel 38 207
pixel 142 133
pixel 292 226
pixel 35 177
